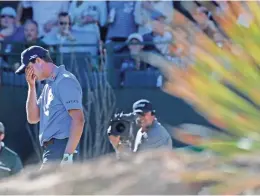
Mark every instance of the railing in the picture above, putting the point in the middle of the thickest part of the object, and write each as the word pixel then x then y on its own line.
pixel 83 64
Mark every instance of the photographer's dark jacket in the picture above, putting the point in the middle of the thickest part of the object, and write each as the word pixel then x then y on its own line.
pixel 156 137
pixel 10 162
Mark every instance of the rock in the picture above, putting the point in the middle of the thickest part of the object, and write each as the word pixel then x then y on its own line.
pixel 153 172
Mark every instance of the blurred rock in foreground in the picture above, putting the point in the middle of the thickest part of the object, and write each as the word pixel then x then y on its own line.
pixel 147 173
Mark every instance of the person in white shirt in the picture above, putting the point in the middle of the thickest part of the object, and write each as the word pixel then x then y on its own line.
pixel 145 11
pixel 87 17
pixel 66 39
pixel 45 13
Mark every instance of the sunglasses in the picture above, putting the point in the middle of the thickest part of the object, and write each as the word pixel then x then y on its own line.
pixel 6 16
pixel 64 23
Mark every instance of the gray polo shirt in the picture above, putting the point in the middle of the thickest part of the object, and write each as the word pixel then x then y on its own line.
pixel 156 137
pixel 61 93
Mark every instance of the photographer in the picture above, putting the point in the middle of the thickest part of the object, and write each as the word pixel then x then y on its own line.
pixel 150 135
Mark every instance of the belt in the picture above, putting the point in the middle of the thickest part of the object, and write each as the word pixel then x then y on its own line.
pixel 47 143
pixel 51 141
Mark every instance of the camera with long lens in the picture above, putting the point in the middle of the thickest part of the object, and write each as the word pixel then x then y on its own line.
pixel 122 125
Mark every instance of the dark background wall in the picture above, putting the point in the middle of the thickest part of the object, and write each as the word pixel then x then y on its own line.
pixel 170 110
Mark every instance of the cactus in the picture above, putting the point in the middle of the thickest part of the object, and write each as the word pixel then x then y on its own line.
pixel 222 84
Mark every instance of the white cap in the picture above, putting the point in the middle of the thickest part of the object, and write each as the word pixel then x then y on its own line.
pixel 8 11
pixel 135 36
pixel 2 128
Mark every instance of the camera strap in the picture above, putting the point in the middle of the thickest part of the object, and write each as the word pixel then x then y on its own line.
pixel 138 140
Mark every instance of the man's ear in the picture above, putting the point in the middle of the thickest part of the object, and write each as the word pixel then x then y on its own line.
pixel 38 60
pixel 2 136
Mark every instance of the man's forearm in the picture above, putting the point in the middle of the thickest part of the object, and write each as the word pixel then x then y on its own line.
pixel 76 131
pixel 32 109
pixel 19 12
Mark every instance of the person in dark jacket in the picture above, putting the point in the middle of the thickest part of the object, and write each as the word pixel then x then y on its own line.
pixel 10 162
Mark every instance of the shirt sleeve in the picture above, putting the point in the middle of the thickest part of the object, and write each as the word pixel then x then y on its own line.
pixel 70 94
pixel 39 101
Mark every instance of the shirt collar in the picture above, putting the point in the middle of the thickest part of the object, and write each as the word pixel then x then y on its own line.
pixel 55 73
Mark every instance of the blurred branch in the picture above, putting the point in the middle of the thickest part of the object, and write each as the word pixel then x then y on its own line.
pixel 33 133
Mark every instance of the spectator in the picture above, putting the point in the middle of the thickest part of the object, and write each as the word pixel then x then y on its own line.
pixel 204 23
pixel 133 62
pixel 9 32
pixel 121 22
pixel 178 6
pixel 86 17
pixel 219 39
pixel 27 14
pixel 45 13
pixel 10 162
pixel 64 35
pixel 146 11
pixel 159 36
pixel 31 38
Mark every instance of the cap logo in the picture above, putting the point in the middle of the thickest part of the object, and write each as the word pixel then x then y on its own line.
pixel 33 56
pixel 140 105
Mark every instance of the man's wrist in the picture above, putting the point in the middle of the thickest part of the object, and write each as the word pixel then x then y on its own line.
pixel 31 87
pixel 68 153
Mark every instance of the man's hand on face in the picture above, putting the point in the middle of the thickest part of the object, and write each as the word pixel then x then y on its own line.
pixel 30 77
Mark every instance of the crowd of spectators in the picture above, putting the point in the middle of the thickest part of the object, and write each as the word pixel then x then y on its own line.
pixel 83 26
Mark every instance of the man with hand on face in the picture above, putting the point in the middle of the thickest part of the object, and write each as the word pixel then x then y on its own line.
pixel 59 107
pixel 151 134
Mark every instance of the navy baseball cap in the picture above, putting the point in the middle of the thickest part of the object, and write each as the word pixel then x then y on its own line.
pixel 29 55
pixel 142 106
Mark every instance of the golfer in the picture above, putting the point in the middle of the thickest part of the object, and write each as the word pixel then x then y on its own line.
pixel 59 107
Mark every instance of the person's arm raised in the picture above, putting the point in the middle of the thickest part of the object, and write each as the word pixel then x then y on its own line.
pixel 32 109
